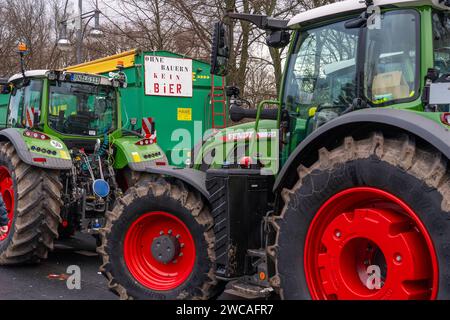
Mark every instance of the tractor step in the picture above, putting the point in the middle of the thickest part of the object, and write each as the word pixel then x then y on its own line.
pixel 242 289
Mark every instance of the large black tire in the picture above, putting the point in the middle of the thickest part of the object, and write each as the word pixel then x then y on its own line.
pixel 175 199
pixel 37 194
pixel 133 178
pixel 414 172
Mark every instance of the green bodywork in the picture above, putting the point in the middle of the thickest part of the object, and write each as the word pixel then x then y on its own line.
pixel 128 151
pixel 299 126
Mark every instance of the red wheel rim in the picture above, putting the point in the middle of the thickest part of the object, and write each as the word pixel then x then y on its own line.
pixel 7 191
pixel 365 227
pixel 142 263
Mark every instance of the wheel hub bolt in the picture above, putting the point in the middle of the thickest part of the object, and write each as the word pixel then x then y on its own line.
pixel 398 258
pixel 338 234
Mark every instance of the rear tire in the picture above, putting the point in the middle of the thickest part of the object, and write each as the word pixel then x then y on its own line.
pixel 146 212
pixel 34 197
pixel 366 197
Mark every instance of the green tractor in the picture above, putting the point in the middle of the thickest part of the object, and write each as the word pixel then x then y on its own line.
pixel 64 158
pixel 355 202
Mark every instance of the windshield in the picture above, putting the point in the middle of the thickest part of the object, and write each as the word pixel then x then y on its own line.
pixel 25 103
pixel 325 70
pixel 441 42
pixel 322 69
pixel 82 109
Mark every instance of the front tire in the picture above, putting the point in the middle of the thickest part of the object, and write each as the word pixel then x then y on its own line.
pixel 150 216
pixel 374 204
pixel 33 200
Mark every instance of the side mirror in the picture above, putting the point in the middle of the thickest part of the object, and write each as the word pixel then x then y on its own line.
pixel 278 39
pixel 238 113
pixel 356 23
pixel 220 51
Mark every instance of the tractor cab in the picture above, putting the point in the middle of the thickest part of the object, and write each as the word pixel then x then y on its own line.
pixel 351 56
pixel 65 104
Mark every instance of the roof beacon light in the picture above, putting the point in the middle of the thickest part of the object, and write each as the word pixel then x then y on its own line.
pixel 22 48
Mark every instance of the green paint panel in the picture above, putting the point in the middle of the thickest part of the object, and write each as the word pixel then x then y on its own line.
pixel 130 152
pixel 50 148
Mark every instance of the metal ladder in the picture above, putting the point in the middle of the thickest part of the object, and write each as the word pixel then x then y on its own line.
pixel 218 101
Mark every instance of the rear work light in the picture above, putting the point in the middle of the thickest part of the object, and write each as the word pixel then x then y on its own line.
pixel 35 135
pixel 145 142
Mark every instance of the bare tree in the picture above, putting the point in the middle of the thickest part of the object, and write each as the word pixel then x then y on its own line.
pixel 182 26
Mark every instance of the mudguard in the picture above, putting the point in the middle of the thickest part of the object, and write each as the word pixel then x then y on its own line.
pixel 435 133
pixel 192 177
pixel 137 157
pixel 49 154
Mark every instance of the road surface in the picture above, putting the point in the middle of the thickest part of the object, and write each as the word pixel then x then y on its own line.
pixel 48 280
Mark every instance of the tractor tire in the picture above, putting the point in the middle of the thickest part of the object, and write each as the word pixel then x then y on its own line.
pixel 133 178
pixel 33 199
pixel 152 213
pixel 368 220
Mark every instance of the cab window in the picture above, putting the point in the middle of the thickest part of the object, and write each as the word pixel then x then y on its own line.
pixel 322 71
pixel 24 103
pixel 82 109
pixel 391 60
pixel 441 42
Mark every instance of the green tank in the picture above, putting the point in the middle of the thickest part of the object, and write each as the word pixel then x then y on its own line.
pixel 171 89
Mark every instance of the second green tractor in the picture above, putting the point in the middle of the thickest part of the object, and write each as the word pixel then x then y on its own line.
pixel 65 158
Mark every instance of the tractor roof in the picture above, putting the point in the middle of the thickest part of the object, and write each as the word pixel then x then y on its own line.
pixel 31 73
pixel 352 6
pixel 44 73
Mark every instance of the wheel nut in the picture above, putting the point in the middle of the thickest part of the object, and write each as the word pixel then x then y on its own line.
pixel 398 258
pixel 181 254
pixel 170 231
pixel 182 245
pixel 161 233
pixel 338 234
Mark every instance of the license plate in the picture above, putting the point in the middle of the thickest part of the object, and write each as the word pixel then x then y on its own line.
pixel 85 78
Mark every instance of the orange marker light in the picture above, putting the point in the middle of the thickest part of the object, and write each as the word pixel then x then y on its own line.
pixel 22 47
pixel 262 276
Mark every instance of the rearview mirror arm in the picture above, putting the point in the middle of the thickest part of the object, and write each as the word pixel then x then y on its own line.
pixel 261 21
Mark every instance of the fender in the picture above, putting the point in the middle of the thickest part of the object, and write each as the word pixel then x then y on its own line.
pixel 60 161
pixel 137 157
pixel 412 122
pixel 195 178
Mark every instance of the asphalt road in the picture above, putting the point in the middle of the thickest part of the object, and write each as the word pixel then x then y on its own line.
pixel 48 280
